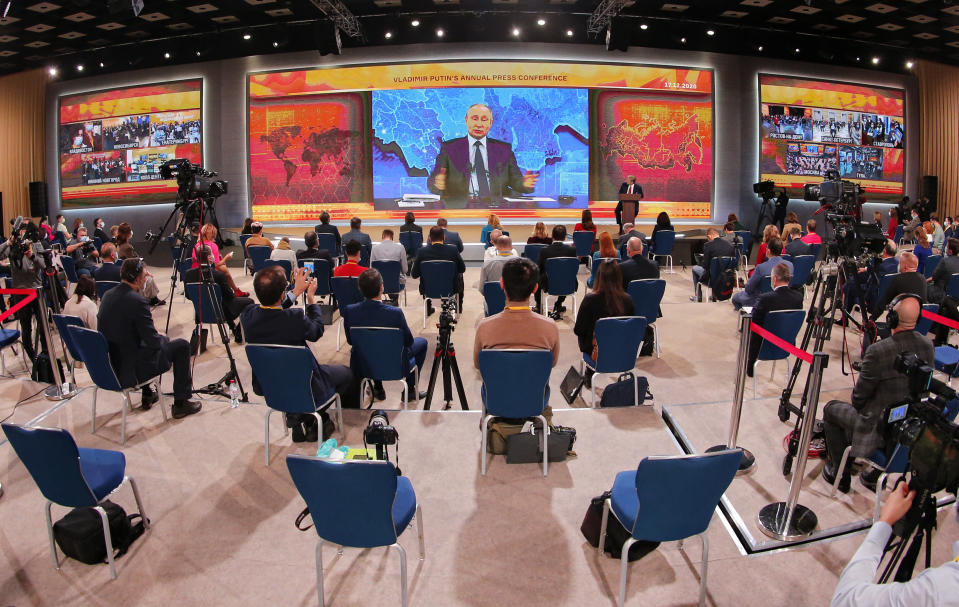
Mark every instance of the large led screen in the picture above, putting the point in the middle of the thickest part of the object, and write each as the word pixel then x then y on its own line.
pixel 555 138
pixel 113 142
pixel 810 126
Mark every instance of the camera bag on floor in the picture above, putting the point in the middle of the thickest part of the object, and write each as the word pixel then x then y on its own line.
pixel 80 533
pixel 526 447
pixel 43 370
pixel 198 341
pixel 616 534
pixel 499 429
pixel 620 392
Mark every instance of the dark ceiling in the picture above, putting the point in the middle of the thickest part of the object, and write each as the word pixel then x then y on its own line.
pixel 105 36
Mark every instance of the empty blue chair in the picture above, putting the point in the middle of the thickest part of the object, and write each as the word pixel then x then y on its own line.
pixel 285 375
pixel 814 249
pixel 69 268
pixel 745 241
pixel 900 230
pixel 327 242
pixel 390 270
pixel 802 269
pixel 669 498
pixel 347 292
pixel 8 337
pixel 411 241
pixel 60 239
pixel 71 476
pixel 561 274
pixel 717 266
pixel 884 284
pixel 765 284
pixel 924 324
pixel 322 272
pixel 663 247
pixel 531 252
pixel 952 287
pixel 247 265
pixel 357 504
pixel 618 339
pixel 495 298
pixel 182 269
pixel 583 241
pixel 647 294
pixel 62 321
pixel 105 285
pixel 283 263
pixel 205 309
pixel 259 256
pixel 595 268
pixel 784 324
pixel 381 352
pixel 947 361
pixel 515 385
pixel 95 353
pixel 439 281
pixel 930 265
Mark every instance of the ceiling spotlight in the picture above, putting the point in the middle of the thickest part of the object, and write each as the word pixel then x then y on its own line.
pixel 710 32
pixel 52 71
pixel 101 64
pixel 683 40
pixel 415 22
pixel 857 58
pixel 275 44
pixel 166 55
pixel 875 60
pixel 796 50
pixel 198 53
pixel 760 49
pixel 644 27
pixel 440 33
pixel 516 31
pixel 247 36
pixel 569 33
pixel 909 64
pixel 79 67
pixel 388 35
pixel 541 22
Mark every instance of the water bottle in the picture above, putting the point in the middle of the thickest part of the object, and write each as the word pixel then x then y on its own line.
pixel 234 395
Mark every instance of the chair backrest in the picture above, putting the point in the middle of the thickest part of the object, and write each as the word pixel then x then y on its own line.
pixel 390 270
pixel 515 381
pixel 283 263
pixel 495 297
pixel 531 251
pixel 678 494
pixel 381 350
pixel 439 278
pixel 595 268
pixel 346 290
pixel 183 268
pixel 884 283
pixel 53 460
pixel 802 268
pixel 765 284
pixel 746 237
pixel 327 242
pixel 952 287
pixel 900 230
pixel 365 253
pixel 930 265
pixel 259 254
pixel 814 249
pixel 203 306
pixel 69 268
pixel 285 375
pixel 105 285
pixel 411 241
pixel 924 324
pixel 784 324
pixel 59 238
pixel 583 241
pixel 94 351
pixel 618 339
pixel 351 502
pixel 718 265
pixel 322 272
pixel 243 239
pixel 663 244
pixel 62 321
pixel 561 274
pixel 647 294
pixel 786 257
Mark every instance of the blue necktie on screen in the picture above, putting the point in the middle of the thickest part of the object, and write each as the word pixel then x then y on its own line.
pixel 482 184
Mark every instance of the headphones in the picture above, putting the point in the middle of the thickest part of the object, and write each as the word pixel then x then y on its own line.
pixel 129 276
pixel 892 317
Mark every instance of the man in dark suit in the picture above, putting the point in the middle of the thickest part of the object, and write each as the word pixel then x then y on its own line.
pixel 449 236
pixel 782 297
pixel 233 306
pixel 909 280
pixel 859 423
pixel 638 266
pixel 557 248
pixel 782 205
pixel 324 227
pixel 313 251
pixel 109 270
pixel 137 351
pixel 477 166
pixel 749 295
pixel 628 187
pixel 864 288
pixel 437 251
pixel 98 230
pixel 275 321
pixel 715 247
pixel 796 247
pixel 629 231
pixel 372 312
pixel 356 234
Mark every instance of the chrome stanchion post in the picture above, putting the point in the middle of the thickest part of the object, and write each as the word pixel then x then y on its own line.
pixel 789 521
pixel 60 390
pixel 749 460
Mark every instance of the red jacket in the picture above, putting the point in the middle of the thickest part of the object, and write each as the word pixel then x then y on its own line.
pixel 350 268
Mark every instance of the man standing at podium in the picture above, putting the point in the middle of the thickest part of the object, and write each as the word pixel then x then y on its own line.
pixel 628 187
pixel 477 166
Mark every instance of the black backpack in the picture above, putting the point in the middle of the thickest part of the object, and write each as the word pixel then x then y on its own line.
pixel 80 533
pixel 723 284
pixel 616 534
pixel 620 392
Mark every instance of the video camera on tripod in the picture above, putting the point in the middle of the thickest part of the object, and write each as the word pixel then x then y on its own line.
pixel 193 181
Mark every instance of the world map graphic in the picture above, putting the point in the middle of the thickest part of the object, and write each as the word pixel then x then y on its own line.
pixel 654 145
pixel 318 146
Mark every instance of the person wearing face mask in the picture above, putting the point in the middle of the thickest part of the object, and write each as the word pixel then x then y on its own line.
pixel 98 232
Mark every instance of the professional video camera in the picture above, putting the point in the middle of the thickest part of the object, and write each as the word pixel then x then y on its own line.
pixel 193 181
pixel 31 239
pixel 844 197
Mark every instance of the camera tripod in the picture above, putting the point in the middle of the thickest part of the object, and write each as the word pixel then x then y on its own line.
pixel 445 356
pixel 917 524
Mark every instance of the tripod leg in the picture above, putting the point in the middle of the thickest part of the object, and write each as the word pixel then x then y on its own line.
pixel 447 382
pixel 434 369
pixel 459 380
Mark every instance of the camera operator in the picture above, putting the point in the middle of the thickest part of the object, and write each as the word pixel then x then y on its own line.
pixel 27 266
pixel 232 304
pixel 936 292
pixel 935 586
pixel 879 386
pixel 84 253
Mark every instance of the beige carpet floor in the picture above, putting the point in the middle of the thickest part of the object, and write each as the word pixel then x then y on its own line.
pixel 223 522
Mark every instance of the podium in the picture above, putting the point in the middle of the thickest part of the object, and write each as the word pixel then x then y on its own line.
pixel 630 204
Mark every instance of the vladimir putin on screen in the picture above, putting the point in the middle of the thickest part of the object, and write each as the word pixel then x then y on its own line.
pixel 477 166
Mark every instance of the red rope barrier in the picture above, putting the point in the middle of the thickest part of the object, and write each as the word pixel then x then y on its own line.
pixel 782 343
pixel 942 320
pixel 30 296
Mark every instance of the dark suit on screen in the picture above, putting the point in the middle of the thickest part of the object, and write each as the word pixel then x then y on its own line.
pixel 783 298
pixel 456 156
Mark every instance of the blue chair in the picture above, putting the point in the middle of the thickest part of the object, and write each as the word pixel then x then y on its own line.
pixel 930 265
pixel 357 504
pixel 365 253
pixel 717 266
pixel 765 284
pixel 283 263
pixel 802 269
pixel 390 270
pixel 531 252
pixel 884 284
pixel 94 351
pixel 515 385
pixel 618 339
pixel 205 309
pixel 784 324
pixel 647 295
pixel 745 242
pixel 327 241
pixel 561 274
pixel 285 375
pixel 663 247
pixel 322 272
pixel 347 292
pixel 62 321
pixel 71 476
pixel 259 256
pixel 583 241
pixel 69 268
pixel 381 351
pixel 182 269
pixel 952 287
pixel 924 324
pixel 668 499
pixel 900 231
pixel 411 241
pixel 595 268
pixel 439 281
pixel 947 356
pixel 60 239
pixel 8 337
pixel 494 297
pixel 105 285
pixel 814 249
pixel 786 257
pixel 247 265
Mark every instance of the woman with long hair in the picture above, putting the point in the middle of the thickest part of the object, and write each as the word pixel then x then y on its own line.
pixel 662 223
pixel 77 224
pixel 207 237
pixel 585 223
pixel 893 223
pixel 769 232
pixel 540 235
pixel 247 226
pixel 124 234
pixel 606 250
pixel 492 223
pixel 923 248
pixel 608 298
pixel 409 223
pixel 84 305
pixel 792 221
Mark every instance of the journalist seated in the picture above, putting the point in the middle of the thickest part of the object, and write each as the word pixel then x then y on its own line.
pixel 137 351
pixel 859 423
pixel 232 304
pixel 84 252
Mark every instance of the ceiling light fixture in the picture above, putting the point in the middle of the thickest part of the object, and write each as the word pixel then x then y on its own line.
pixel 440 33
pixel 760 49
pixel 415 22
pixel 710 33
pixel 79 67
pixel 247 36
pixel 52 71
pixel 909 64
pixel 166 55
pixel 796 50
pixel 388 35
pixel 683 40
pixel 644 27
pixel 569 33
pixel 516 32
pixel 541 22
pixel 198 53
pixel 875 60
pixel 101 64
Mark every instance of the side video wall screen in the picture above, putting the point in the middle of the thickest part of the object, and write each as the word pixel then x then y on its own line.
pixel 112 143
